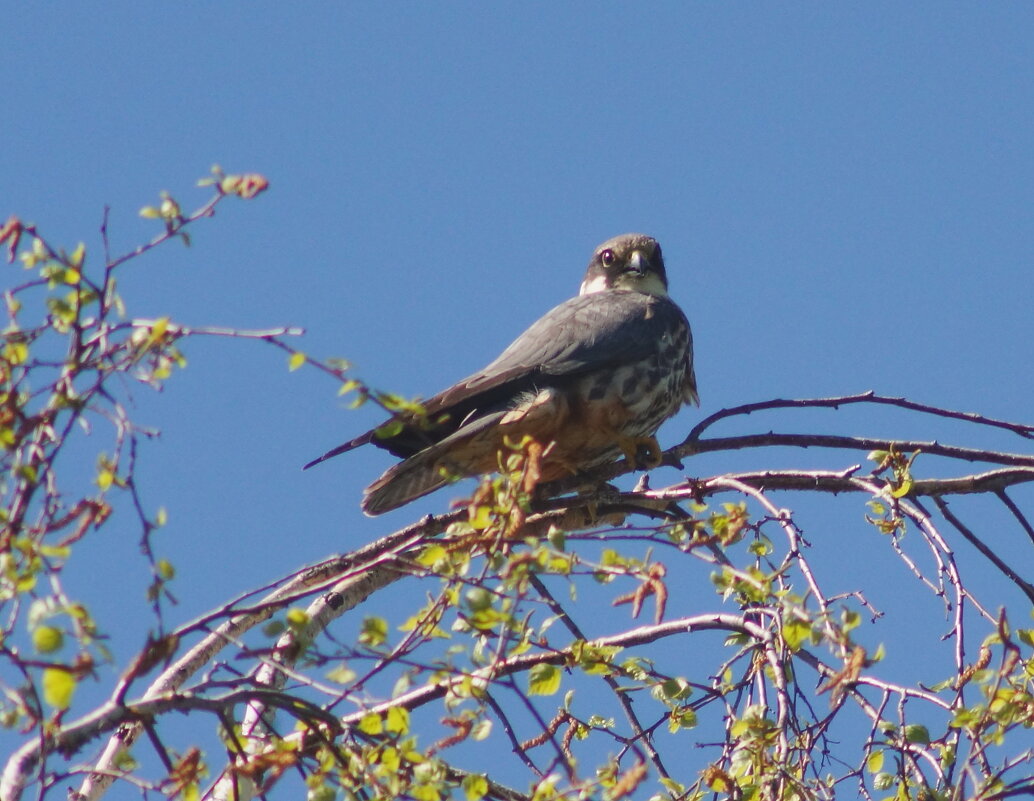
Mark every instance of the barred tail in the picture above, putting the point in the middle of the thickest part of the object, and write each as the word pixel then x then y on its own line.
pixel 465 452
pixel 408 480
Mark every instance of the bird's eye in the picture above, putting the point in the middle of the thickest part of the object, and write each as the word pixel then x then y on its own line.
pixel 608 257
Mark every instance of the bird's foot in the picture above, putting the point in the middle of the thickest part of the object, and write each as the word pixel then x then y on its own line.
pixel 641 452
pixel 601 494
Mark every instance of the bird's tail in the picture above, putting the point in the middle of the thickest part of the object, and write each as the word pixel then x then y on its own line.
pixel 350 445
pixel 410 479
pixel 467 452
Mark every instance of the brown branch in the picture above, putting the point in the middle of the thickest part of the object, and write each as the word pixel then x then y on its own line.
pixel 1020 429
pixel 421 696
pixel 772 439
pixel 626 705
pixel 207 210
pixel 495 790
pixel 674 456
pixel 1016 512
pixel 518 664
pixel 371 567
pixel 376 565
pixel 511 735
pixel 980 545
pixel 657 502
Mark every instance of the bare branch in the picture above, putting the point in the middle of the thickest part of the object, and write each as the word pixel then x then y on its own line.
pixel 1020 429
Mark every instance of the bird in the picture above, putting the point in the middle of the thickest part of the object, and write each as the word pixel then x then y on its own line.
pixel 591 380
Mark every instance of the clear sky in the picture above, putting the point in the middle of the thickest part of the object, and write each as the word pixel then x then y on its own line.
pixel 843 194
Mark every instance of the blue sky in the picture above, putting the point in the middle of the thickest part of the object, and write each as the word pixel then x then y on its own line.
pixel 843 194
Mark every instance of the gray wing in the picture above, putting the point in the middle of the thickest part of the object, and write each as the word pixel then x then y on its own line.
pixel 589 332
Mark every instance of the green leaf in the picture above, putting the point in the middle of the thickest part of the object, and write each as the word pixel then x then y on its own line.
pixel 47 639
pixel 795 633
pixel 917 733
pixel 478 599
pixel 685 718
pixel 544 680
pixel 760 548
pixel 482 518
pixel 432 555
pixel 902 490
pixel 15 353
pixel 342 674
pixel 274 628
pixel 295 361
pixel 374 631
pixel 347 386
pixel 125 761
pixel 322 792
pixel 397 720
pixel 391 759
pixel 58 687
pixel 545 790
pixel 883 781
pixel 425 792
pixel 965 717
pixel 371 724
pixel 718 781
pixel 874 764
pixel 676 689
pixel 105 478
pixel 360 399
pixel 402 685
pixel 169 209
pixel 78 256
pixel 475 787
pixel 389 429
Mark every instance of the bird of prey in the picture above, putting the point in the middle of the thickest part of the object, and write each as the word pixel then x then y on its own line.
pixel 591 380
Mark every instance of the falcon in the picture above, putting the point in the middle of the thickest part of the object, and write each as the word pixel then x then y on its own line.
pixel 591 380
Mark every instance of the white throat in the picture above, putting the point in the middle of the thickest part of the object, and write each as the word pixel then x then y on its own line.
pixel 649 284
pixel 595 284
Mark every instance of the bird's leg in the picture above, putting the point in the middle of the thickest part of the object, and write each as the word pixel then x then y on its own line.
pixel 533 466
pixel 603 494
pixel 631 447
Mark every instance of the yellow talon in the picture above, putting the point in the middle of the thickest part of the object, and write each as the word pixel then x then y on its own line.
pixel 631 446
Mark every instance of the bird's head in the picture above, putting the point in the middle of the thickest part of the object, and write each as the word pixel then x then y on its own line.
pixel 632 262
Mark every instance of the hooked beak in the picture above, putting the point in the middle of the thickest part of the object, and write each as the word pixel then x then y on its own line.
pixel 637 263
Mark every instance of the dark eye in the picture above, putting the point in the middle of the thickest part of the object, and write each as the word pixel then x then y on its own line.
pixel 608 257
